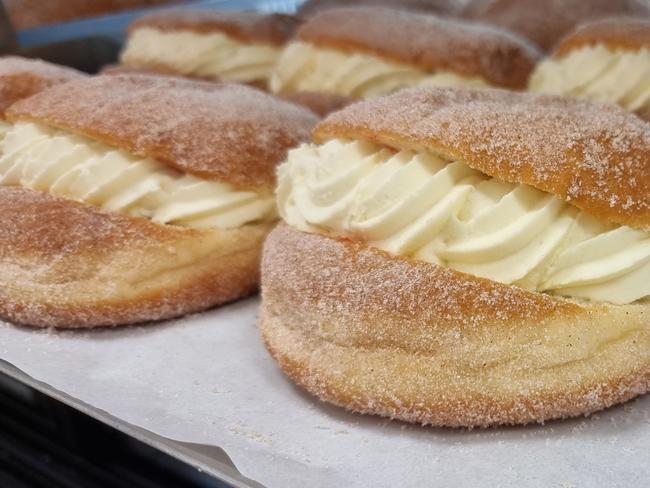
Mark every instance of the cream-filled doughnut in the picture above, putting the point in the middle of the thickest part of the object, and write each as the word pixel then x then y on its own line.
pixel 607 60
pixel 363 52
pixel 133 198
pixel 462 257
pixel 229 46
pixel 545 23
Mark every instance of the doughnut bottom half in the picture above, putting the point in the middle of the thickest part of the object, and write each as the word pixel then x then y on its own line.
pixel 71 265
pixel 414 341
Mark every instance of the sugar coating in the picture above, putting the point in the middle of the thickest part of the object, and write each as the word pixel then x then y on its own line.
pixel 225 132
pixel 428 42
pixel 595 156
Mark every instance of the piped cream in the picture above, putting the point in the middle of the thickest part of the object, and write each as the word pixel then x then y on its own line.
pixel 420 205
pixel 76 167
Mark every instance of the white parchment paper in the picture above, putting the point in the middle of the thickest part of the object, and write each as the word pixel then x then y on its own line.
pixel 208 379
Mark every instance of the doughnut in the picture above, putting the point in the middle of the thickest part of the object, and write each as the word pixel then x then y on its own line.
pixel 211 45
pixel 362 52
pixel 464 258
pixel 606 60
pixel 133 198
pixel 546 22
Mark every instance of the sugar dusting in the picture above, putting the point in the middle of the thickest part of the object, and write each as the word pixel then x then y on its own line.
pixel 593 155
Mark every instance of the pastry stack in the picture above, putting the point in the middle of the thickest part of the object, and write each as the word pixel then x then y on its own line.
pixel 448 250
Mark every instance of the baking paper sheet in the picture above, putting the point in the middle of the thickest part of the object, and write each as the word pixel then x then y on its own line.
pixel 208 379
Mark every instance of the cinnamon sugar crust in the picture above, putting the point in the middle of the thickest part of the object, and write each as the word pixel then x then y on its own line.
pixel 224 132
pixel 248 27
pixel 593 155
pixel 615 33
pixel 425 41
pixel 414 341
pixel 546 22
pixel 21 78
pixel 68 264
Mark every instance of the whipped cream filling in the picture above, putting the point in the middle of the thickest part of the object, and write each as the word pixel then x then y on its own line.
pixel 4 128
pixel 598 73
pixel 76 167
pixel 419 205
pixel 305 67
pixel 212 55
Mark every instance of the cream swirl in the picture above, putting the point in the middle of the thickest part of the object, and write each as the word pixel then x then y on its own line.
pixel 598 73
pixel 305 67
pixel 213 55
pixel 4 128
pixel 43 158
pixel 420 205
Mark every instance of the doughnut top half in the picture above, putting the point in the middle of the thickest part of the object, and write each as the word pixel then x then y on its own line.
pixel 621 33
pixel 428 42
pixel 224 132
pixel 247 27
pixel 546 22
pixel 595 156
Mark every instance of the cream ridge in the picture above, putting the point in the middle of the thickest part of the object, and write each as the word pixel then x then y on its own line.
pixel 43 158
pixel 213 55
pixel 305 67
pixel 599 73
pixel 420 205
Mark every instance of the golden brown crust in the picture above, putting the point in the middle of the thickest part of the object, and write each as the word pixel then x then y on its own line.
pixel 21 78
pixel 218 131
pixel 546 22
pixel 248 27
pixel 421 343
pixel 617 33
pixel 438 7
pixel 321 104
pixel 595 156
pixel 428 42
pixel 67 264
